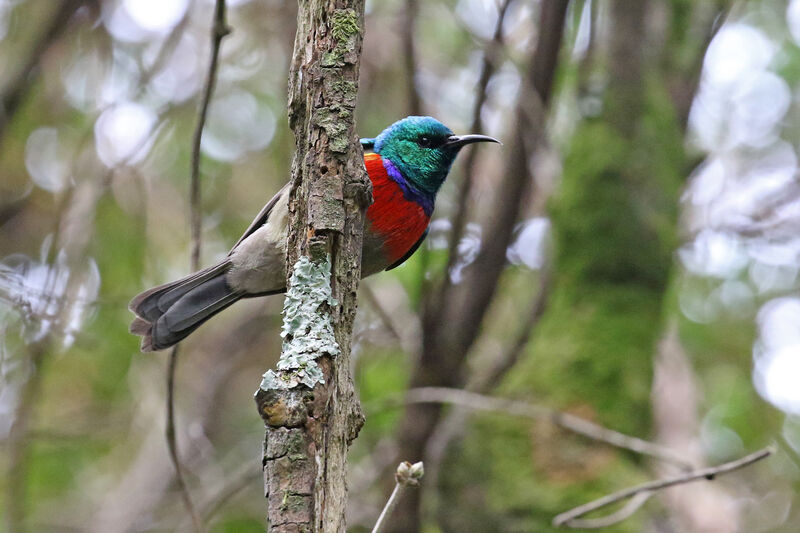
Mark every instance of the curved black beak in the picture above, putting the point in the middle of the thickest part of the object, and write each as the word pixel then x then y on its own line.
pixel 457 141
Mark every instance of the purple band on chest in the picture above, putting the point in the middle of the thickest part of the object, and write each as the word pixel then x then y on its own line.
pixel 409 193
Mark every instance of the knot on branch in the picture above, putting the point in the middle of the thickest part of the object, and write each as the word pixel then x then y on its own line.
pixel 283 408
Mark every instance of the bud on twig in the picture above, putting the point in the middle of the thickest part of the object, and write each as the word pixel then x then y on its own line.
pixel 407 475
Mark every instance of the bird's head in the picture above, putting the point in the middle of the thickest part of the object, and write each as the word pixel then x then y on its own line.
pixel 423 149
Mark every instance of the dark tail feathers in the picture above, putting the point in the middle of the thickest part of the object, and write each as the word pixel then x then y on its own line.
pixel 168 313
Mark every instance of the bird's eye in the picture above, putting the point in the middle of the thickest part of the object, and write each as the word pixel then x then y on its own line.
pixel 425 141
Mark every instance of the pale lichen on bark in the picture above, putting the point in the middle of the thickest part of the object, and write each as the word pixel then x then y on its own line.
pixel 307 328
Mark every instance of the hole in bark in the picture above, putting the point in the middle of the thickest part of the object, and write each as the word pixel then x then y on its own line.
pixel 323 169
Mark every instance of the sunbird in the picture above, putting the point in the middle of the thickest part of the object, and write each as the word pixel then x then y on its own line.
pixel 407 164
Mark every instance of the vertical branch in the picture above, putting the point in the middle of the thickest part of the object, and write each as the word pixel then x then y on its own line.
pixel 219 30
pixel 409 25
pixel 675 400
pixel 172 443
pixel 682 70
pixel 72 237
pixel 627 66
pixel 18 449
pixel 19 86
pixel 488 68
pixel 309 405
pixel 449 332
pixel 586 63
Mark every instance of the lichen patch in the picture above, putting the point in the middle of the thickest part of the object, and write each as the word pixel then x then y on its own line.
pixel 307 328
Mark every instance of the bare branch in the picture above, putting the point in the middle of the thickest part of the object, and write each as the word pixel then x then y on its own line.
pixel 625 512
pixel 18 449
pixel 569 518
pixel 15 90
pixel 219 30
pixel 575 424
pixel 409 25
pixel 172 444
pixel 504 363
pixel 452 322
pixel 488 68
pixel 407 475
pixel 383 314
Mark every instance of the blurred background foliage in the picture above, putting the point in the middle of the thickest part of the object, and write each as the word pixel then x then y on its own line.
pixel 649 283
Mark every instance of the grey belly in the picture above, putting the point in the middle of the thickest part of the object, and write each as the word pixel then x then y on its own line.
pixel 258 263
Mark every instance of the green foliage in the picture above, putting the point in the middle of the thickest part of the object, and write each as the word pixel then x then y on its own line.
pixel 614 217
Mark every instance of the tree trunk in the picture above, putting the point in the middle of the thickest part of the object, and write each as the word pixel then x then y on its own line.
pixel 309 404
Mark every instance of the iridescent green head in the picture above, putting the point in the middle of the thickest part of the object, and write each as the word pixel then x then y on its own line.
pixel 422 149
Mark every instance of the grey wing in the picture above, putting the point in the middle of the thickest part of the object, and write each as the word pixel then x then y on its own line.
pixel 261 218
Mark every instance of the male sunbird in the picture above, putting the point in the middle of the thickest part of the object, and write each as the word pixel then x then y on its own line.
pixel 407 164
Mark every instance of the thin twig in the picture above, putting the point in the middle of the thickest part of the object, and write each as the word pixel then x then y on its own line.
pixel 166 49
pixel 382 313
pixel 625 512
pixel 219 30
pixel 407 475
pixel 569 518
pixel 575 424
pixel 508 359
pixel 172 444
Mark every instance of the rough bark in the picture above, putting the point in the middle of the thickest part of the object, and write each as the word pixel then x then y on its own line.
pixel 451 324
pixel 309 428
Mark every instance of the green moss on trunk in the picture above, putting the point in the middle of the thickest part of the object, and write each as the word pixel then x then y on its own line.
pixel 614 223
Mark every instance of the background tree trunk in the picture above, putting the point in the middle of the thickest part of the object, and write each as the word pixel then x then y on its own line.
pixel 614 222
pixel 452 318
pixel 311 424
